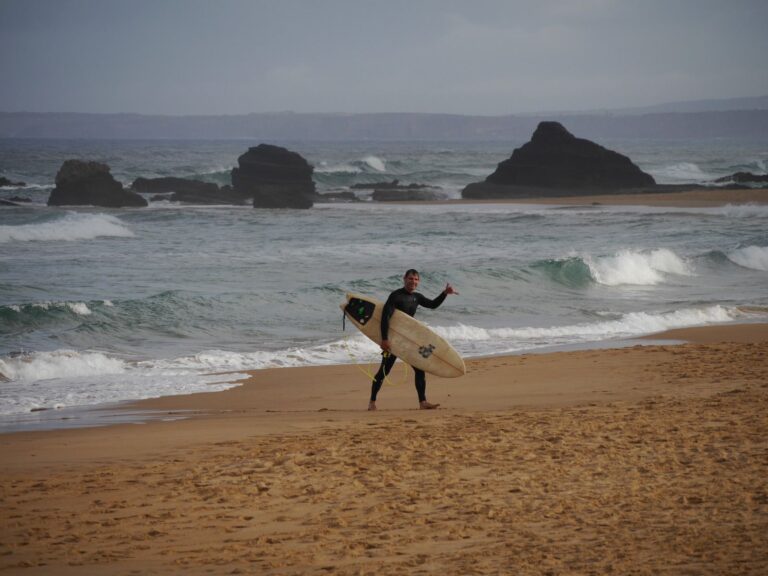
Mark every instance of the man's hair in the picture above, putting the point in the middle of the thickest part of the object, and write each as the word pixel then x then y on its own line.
pixel 412 271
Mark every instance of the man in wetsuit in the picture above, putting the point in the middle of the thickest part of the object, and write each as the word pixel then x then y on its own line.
pixel 407 300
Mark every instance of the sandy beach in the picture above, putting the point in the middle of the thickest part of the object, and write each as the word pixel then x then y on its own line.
pixel 682 199
pixel 700 198
pixel 637 460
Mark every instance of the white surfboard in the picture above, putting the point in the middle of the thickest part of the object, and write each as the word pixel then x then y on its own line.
pixel 410 340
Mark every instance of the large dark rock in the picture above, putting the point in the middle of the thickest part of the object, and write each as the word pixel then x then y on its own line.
pixel 189 191
pixel 81 183
pixel 556 163
pixel 274 177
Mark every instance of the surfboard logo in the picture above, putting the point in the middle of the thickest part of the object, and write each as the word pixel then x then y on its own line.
pixel 360 310
pixel 426 351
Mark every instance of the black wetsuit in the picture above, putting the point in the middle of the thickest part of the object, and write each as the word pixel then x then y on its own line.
pixel 407 302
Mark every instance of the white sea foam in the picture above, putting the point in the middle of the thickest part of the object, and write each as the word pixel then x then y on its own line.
pixel 741 210
pixel 325 168
pixel 60 364
pixel 69 378
pixel 45 380
pixel 79 308
pixel 376 163
pixel 65 378
pixel 645 268
pixel 466 338
pixel 754 257
pixel 681 172
pixel 70 227
pixel 354 348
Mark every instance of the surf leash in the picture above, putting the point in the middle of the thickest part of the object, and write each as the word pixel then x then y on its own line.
pixel 363 366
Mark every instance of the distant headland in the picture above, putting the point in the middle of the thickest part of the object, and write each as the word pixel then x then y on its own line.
pixel 746 118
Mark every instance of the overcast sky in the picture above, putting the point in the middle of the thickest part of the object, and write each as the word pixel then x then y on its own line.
pixel 467 57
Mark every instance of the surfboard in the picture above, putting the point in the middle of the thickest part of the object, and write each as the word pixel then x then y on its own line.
pixel 410 340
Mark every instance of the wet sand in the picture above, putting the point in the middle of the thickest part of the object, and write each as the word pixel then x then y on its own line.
pixel 638 460
pixel 678 199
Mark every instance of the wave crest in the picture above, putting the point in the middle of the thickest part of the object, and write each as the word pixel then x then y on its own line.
pixel 626 267
pixel 59 364
pixel 628 325
pixel 637 268
pixel 72 226
pixel 754 257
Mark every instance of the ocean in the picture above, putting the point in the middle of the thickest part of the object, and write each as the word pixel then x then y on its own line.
pixel 99 306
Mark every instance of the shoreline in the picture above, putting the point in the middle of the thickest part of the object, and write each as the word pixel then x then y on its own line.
pixel 185 406
pixel 291 390
pixel 265 390
pixel 581 461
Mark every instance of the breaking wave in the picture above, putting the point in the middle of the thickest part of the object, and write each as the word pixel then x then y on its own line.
pixel 627 325
pixel 626 267
pixel 72 226
pixel 754 257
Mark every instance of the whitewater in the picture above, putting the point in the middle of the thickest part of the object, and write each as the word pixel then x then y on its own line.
pixel 100 306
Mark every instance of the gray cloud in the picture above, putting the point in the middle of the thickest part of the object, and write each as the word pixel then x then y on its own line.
pixel 474 57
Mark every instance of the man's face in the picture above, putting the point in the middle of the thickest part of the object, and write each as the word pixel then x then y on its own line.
pixel 411 282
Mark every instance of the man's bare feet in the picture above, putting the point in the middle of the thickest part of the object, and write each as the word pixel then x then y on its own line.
pixel 427 406
pixel 371 406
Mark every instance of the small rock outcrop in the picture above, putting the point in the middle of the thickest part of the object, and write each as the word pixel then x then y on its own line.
pixel 5 182
pixel 275 178
pixel 15 201
pixel 80 183
pixel 399 195
pixel 337 197
pixel 186 190
pixel 171 184
pixel 393 185
pixel 744 178
pixel 556 163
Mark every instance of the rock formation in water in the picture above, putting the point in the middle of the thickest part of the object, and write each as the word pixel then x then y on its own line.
pixel 275 178
pixel 556 163
pixel 5 182
pixel 745 178
pixel 80 183
pixel 186 190
pixel 400 195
